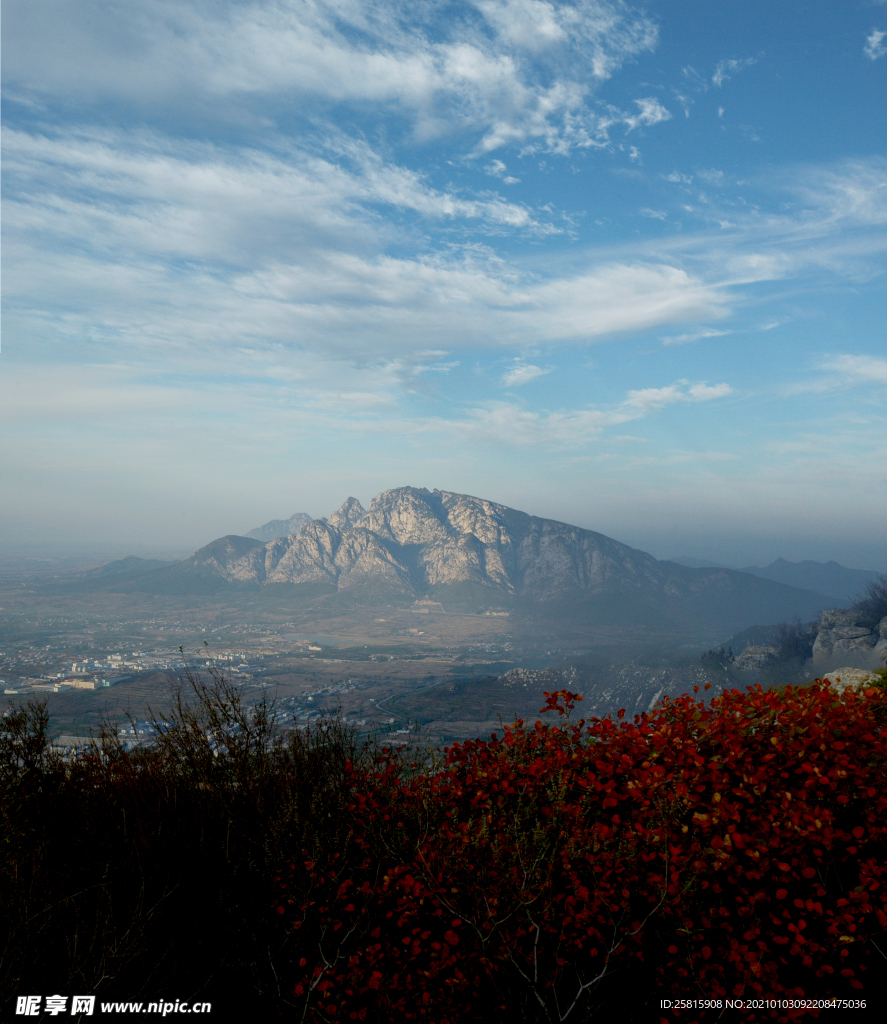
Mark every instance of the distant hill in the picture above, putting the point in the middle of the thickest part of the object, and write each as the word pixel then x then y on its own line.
pixel 280 527
pixel 473 555
pixel 823 577
pixel 125 566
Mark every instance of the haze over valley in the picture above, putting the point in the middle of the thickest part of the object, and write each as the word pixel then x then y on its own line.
pixel 430 611
pixel 602 283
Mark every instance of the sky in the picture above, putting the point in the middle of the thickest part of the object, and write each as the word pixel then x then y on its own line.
pixel 617 265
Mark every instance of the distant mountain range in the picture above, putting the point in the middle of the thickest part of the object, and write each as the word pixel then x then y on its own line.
pixel 823 577
pixel 473 555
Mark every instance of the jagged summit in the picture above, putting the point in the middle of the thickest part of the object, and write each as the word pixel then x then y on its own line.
pixel 471 554
pixel 348 515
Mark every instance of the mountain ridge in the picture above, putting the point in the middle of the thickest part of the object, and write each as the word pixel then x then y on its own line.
pixel 473 555
pixel 829 578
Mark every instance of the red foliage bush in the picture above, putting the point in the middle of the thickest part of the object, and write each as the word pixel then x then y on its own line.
pixel 704 851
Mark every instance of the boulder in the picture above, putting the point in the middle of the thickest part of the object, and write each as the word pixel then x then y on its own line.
pixel 843 637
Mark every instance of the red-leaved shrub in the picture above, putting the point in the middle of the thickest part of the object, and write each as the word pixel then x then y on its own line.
pixel 703 851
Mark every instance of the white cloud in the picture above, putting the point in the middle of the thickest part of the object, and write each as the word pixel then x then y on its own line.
pixel 649 399
pixel 857 369
pixel 706 392
pixel 512 71
pixel 650 112
pixel 875 46
pixel 128 238
pixel 151 242
pixel 522 373
pixel 508 423
pixel 685 339
pixel 726 69
pixel 497 169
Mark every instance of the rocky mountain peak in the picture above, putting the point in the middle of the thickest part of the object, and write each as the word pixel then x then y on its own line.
pixel 408 515
pixel 348 515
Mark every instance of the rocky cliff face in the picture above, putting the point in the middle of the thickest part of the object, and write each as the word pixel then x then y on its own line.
pixel 348 516
pixel 473 554
pixel 845 638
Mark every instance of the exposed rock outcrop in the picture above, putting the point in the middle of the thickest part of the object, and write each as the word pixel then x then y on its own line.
pixel 845 637
pixel 349 515
pixel 847 678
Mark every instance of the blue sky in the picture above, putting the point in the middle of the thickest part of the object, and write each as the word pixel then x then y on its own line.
pixel 617 265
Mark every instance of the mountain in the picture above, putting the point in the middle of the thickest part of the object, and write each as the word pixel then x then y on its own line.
pixel 823 577
pixel 280 527
pixel 474 555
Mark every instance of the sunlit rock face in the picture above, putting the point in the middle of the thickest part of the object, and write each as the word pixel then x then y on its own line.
pixel 417 539
pixel 443 539
pixel 349 515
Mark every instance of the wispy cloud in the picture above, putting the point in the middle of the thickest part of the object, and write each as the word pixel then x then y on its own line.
pixel 510 71
pixel 875 46
pixel 152 242
pixel 649 399
pixel 514 425
pixel 691 336
pixel 522 373
pixel 726 69
pixel 650 111
pixel 857 369
pixel 497 169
